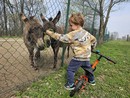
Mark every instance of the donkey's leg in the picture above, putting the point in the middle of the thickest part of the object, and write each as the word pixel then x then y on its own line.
pixel 37 54
pixel 55 50
pixel 31 56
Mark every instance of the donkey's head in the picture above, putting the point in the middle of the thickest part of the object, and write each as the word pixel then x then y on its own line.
pixel 51 24
pixel 34 32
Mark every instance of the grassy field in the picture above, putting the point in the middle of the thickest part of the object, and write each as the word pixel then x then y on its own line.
pixel 112 81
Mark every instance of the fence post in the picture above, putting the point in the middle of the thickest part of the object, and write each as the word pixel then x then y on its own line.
pixel 128 38
pixel 65 31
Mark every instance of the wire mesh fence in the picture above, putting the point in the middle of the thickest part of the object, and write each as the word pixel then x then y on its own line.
pixel 15 70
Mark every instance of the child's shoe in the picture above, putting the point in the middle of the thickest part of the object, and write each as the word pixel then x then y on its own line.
pixel 69 87
pixel 92 82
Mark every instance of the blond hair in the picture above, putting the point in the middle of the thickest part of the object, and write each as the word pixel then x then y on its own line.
pixel 77 19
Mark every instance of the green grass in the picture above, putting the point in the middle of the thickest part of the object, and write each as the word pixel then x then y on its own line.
pixel 112 81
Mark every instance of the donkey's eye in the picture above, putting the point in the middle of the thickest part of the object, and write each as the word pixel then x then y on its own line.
pixel 36 28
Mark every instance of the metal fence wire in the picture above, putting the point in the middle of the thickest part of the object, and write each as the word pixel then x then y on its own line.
pixel 15 70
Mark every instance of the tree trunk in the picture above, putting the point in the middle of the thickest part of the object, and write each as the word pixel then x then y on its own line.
pixel 101 31
pixel 5 17
pixel 22 11
pixel 103 22
pixel 128 38
pixel 100 36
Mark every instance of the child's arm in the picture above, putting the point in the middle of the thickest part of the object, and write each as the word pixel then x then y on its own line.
pixel 66 38
pixel 53 35
pixel 93 41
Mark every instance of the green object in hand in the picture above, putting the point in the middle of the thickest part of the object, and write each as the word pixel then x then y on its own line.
pixel 51 30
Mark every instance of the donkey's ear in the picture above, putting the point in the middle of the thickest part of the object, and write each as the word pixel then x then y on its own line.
pixel 56 19
pixel 31 17
pixel 23 17
pixel 43 18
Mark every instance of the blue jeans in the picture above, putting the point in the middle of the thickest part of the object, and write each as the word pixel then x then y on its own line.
pixel 74 66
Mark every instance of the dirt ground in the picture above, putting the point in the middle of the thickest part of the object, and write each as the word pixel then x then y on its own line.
pixel 15 69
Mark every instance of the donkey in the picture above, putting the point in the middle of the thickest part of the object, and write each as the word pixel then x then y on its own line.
pixel 55 44
pixel 34 38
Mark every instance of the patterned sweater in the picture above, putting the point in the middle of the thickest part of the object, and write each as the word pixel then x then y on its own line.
pixel 80 41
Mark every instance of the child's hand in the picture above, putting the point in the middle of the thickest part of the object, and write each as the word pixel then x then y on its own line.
pixel 50 30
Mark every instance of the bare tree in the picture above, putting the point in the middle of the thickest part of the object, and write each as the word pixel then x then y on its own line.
pixel 5 16
pixel 22 5
pixel 83 7
pixel 22 11
pixel 10 22
pixel 103 9
pixel 1 18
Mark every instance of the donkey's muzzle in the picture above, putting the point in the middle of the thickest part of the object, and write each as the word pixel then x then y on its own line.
pixel 47 41
pixel 40 43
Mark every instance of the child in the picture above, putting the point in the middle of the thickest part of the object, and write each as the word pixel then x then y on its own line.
pixel 80 41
